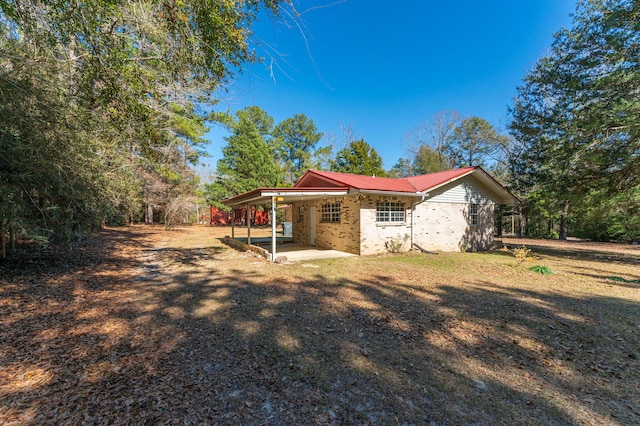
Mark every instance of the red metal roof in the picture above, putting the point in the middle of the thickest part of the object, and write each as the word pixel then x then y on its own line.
pixel 431 180
pixel 317 183
pixel 259 193
pixel 412 184
pixel 355 181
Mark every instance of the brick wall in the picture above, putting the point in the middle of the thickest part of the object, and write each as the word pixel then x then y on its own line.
pixel 343 236
pixel 447 227
pixel 288 214
pixel 300 227
pixel 437 226
pixel 374 235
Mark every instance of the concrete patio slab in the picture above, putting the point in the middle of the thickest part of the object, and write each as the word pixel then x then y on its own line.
pixel 285 248
pixel 298 252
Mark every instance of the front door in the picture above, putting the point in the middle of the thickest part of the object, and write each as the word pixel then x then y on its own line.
pixel 312 225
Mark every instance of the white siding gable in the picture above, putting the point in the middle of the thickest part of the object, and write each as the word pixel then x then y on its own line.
pixel 464 191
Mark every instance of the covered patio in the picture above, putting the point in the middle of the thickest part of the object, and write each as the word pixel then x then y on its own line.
pixel 274 245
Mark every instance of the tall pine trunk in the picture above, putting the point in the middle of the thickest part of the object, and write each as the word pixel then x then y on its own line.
pixel 564 226
pixel 498 220
pixel 3 239
pixel 520 221
pixel 12 237
pixel 148 214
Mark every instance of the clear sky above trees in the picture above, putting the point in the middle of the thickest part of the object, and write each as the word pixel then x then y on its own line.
pixel 383 70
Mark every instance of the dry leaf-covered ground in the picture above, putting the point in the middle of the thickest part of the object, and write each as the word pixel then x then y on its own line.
pixel 145 326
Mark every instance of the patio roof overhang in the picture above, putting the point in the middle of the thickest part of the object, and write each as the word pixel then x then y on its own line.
pixel 264 196
pixel 273 196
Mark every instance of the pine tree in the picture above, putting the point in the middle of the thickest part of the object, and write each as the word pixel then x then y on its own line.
pixel 577 111
pixel 358 158
pixel 247 162
pixel 295 140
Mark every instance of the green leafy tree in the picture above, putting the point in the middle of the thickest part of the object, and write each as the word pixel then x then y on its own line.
pixel 402 168
pixel 509 172
pixel 295 140
pixel 428 160
pixel 358 158
pixel 322 157
pixel 608 217
pixel 577 109
pixel 260 119
pixel 474 142
pixel 247 162
pixel 102 105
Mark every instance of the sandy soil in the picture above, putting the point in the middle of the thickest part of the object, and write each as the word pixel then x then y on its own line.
pixel 140 325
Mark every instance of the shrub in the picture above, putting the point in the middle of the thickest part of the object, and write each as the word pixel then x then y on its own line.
pixel 623 280
pixel 464 244
pixel 521 254
pixel 541 270
pixel 396 245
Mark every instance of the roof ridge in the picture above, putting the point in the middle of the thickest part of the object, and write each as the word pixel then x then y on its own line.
pixel 409 184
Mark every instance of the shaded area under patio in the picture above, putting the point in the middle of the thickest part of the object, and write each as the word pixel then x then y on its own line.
pixel 285 248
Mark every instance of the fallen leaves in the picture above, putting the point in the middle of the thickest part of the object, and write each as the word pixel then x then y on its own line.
pixel 143 326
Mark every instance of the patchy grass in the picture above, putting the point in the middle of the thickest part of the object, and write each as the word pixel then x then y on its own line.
pixel 624 280
pixel 540 269
pixel 149 326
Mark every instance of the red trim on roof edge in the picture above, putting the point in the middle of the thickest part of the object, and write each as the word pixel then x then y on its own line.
pixel 344 181
pixel 411 184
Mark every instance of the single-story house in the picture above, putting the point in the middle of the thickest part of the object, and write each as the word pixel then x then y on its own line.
pixel 447 211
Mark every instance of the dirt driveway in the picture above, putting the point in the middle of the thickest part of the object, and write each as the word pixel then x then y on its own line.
pixel 147 326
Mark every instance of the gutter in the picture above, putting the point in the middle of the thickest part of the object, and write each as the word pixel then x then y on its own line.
pixel 337 193
pixel 397 193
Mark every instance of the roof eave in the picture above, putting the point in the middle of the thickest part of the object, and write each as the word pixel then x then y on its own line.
pixel 506 196
pixel 265 195
pixel 432 188
pixel 382 192
pixel 318 176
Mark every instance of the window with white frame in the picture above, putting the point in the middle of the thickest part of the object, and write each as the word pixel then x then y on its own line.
pixel 389 212
pixel 330 213
pixel 473 214
pixel 301 214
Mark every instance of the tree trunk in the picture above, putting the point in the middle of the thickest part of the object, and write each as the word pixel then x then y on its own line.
pixel 3 239
pixel 12 237
pixel 148 214
pixel 520 221
pixel 563 220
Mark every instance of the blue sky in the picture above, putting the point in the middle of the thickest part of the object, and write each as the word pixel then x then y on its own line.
pixel 384 68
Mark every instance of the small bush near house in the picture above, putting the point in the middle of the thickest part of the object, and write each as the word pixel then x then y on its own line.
pixel 464 245
pixel 521 254
pixel 396 245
